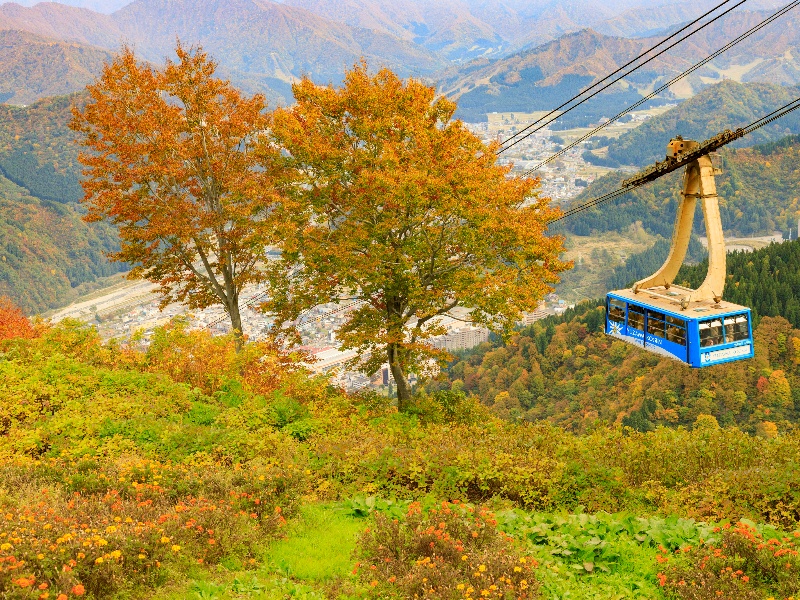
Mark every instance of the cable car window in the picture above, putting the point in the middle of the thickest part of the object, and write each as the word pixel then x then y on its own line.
pixel 676 330
pixel 736 328
pixel 616 311
pixel 636 317
pixel 711 333
pixel 655 323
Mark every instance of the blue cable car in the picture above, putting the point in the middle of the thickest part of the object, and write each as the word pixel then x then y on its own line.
pixel 705 335
pixel 695 327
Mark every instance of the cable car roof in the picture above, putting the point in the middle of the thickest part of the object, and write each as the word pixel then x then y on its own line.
pixel 696 310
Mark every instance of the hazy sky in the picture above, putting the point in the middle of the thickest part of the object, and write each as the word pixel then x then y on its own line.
pixel 103 6
pixel 109 6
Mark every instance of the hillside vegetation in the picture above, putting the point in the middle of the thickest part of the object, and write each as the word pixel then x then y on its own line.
pixel 37 150
pixel 726 105
pixel 33 67
pixel 567 371
pixel 47 252
pixel 759 191
pixel 191 471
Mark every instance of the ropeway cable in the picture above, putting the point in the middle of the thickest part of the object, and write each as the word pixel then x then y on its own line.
pixel 608 85
pixel 739 133
pixel 675 79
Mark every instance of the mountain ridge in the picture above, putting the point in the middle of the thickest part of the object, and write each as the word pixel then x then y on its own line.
pixel 34 67
pixel 770 55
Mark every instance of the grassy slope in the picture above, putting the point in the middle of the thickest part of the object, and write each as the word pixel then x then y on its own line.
pixel 192 442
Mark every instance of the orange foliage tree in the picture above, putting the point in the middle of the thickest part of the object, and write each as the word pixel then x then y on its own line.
pixel 13 324
pixel 179 160
pixel 409 214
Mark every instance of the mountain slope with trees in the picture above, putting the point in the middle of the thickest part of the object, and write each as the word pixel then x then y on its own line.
pixel 33 67
pixel 565 370
pixel 37 150
pixel 726 105
pixel 759 191
pixel 46 251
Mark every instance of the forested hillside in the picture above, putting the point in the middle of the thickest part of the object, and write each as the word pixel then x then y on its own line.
pixel 759 191
pixel 33 67
pixel 726 105
pixel 46 251
pixel 567 371
pixel 766 280
pixel 36 149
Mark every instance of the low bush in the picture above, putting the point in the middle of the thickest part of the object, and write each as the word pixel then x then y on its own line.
pixel 453 551
pixel 745 564
pixel 68 526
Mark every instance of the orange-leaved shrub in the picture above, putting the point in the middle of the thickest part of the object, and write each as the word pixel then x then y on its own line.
pixel 13 323
pixel 209 362
pixel 454 551
pixel 743 565
pixel 104 527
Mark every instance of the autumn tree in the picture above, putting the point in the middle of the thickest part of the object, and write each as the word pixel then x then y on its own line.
pixel 408 214
pixel 13 323
pixel 179 160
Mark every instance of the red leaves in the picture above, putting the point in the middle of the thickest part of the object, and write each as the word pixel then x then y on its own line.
pixel 13 324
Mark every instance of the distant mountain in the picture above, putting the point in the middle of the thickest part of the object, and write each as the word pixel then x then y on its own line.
pixel 725 105
pixel 61 22
pixel 542 78
pixel 466 29
pixel 266 39
pixel 448 27
pixel 259 43
pixel 661 16
pixel 545 76
pixel 101 6
pixel 32 67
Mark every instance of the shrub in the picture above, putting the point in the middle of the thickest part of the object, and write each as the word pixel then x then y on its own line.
pixel 744 565
pixel 13 324
pixel 104 527
pixel 454 551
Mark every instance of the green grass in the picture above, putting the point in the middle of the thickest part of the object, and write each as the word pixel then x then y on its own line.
pixel 316 555
pixel 319 545
pixel 632 577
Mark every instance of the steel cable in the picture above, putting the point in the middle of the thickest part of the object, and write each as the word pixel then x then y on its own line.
pixel 643 54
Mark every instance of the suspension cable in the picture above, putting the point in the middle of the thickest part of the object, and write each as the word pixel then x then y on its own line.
pixel 610 75
pixel 675 79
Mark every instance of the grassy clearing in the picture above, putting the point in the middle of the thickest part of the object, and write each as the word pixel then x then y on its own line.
pixel 318 547
pixel 313 560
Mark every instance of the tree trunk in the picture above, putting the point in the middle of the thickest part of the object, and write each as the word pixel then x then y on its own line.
pixel 403 387
pixel 236 323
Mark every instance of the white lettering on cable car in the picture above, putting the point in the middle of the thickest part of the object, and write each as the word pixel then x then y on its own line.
pixel 716 355
pixel 651 339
